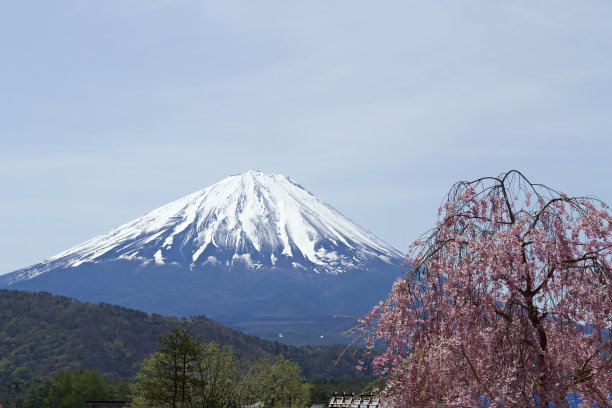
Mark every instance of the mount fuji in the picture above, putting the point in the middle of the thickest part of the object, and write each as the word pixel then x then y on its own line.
pixel 254 251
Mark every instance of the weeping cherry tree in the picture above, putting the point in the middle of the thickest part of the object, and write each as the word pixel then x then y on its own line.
pixel 508 302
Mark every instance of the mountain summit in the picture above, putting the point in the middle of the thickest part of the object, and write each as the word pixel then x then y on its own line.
pixel 246 246
pixel 254 219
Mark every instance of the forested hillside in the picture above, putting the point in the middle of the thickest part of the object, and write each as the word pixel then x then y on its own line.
pixel 41 333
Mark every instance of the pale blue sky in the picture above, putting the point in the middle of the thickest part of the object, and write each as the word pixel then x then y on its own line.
pixel 111 108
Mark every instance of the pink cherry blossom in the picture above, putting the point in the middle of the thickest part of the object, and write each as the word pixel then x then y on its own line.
pixel 508 302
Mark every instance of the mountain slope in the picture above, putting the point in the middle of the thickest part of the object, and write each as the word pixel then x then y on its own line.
pixel 256 219
pixel 252 250
pixel 41 333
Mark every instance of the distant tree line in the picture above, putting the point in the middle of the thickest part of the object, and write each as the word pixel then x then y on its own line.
pixel 182 373
pixel 41 334
pixel 67 389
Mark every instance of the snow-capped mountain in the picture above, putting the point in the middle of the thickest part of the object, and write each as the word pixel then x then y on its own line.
pixel 238 240
pixel 256 219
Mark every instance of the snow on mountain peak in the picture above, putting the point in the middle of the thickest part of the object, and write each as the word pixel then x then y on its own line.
pixel 254 219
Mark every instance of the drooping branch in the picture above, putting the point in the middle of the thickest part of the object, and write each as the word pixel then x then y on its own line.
pixel 511 266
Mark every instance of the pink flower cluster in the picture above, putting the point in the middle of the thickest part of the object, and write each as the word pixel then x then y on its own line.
pixel 508 302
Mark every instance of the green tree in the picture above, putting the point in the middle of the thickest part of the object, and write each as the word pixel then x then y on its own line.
pixel 276 382
pixel 216 382
pixel 185 374
pixel 37 394
pixel 72 389
pixel 166 379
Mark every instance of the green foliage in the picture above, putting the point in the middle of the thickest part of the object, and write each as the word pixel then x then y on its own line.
pixel 216 377
pixel 72 389
pixel 41 334
pixel 25 393
pixel 183 373
pixel 166 379
pixel 119 389
pixel 65 389
pixel 277 382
